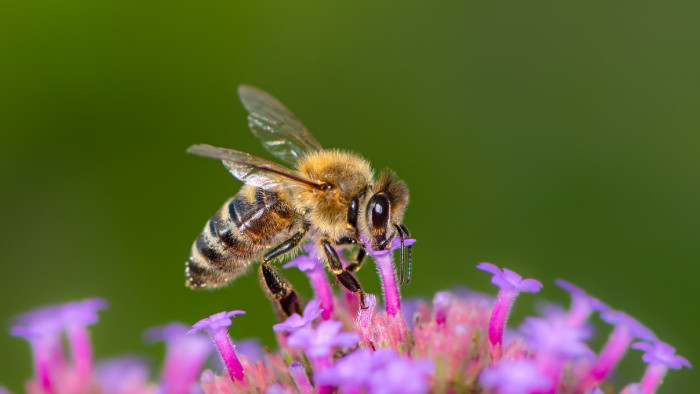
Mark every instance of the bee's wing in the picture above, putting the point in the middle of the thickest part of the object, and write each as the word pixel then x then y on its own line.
pixel 252 170
pixel 280 131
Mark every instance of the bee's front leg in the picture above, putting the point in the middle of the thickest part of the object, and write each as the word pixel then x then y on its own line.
pixel 359 259
pixel 346 278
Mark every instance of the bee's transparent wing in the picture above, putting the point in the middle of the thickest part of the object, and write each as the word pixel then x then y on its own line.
pixel 280 131
pixel 252 170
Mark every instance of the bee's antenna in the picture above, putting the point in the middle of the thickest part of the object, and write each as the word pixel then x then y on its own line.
pixel 401 270
pixel 410 253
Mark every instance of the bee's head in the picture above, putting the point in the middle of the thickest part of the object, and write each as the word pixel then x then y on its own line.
pixel 385 209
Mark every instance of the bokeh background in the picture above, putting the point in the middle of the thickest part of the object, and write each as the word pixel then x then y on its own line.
pixel 557 139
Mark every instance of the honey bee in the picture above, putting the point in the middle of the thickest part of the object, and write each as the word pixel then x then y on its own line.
pixel 330 198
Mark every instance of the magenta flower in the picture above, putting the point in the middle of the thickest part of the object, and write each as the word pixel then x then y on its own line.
pixel 428 347
pixel 296 370
pixel 402 375
pixel 582 304
pixel 515 377
pixel 185 355
pixel 295 322
pixel 363 325
pixel 554 338
pixel 353 372
pixel 319 281
pixel 381 371
pixel 555 342
pixel 441 303
pixel 661 353
pixel 509 280
pixel 215 325
pixel 43 327
pixel 510 285
pixel 385 265
pixel 318 342
pixel 123 375
pixel 250 348
pixel 626 328
pixel 660 356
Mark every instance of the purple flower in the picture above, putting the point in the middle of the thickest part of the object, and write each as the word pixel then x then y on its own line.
pixel 661 353
pixel 318 343
pixel 510 285
pixel 555 338
pixel 637 329
pixel 76 316
pixel 385 265
pixel 42 329
pixel 122 375
pixel 380 371
pixel 515 377
pixel 250 348
pixel 354 371
pixel 304 263
pixel 184 358
pixel 313 268
pixel 410 308
pixel 295 322
pixel 441 304
pixel 582 304
pixel 660 356
pixel 296 370
pixel 215 325
pixel 626 328
pixel 363 323
pixel 214 322
pixel 509 280
pixel 402 375
pixel 82 312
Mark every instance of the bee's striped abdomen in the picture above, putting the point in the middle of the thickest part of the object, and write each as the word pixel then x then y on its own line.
pixel 240 231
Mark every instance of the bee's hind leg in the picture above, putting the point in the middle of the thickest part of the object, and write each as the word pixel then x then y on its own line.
pixel 285 300
pixel 346 278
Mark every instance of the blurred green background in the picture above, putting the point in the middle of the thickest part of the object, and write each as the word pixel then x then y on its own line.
pixel 559 140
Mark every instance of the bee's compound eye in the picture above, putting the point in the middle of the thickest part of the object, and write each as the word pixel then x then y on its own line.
pixel 378 209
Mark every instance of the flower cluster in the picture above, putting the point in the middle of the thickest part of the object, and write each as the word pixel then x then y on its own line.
pixel 458 342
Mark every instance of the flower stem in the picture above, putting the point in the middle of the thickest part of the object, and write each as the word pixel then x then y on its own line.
pixel 81 350
pixel 228 354
pixel 652 377
pixel 612 353
pixel 322 289
pixel 385 265
pixel 42 365
pixel 299 375
pixel 497 323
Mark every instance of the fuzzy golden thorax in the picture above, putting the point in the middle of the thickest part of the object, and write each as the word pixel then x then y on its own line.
pixel 347 174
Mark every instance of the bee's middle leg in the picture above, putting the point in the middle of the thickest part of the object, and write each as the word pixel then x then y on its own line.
pixel 288 245
pixel 277 288
pixel 346 278
pixel 285 300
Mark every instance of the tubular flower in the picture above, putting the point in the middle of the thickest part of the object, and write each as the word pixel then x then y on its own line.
pixel 312 266
pixel 510 285
pixel 295 322
pixel 459 342
pixel 184 357
pixel 215 325
pixel 660 357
